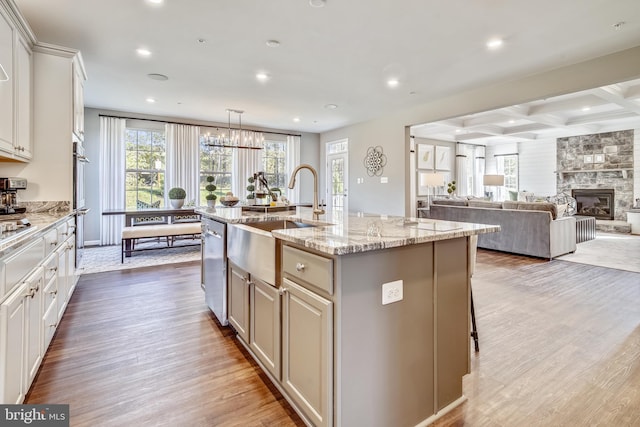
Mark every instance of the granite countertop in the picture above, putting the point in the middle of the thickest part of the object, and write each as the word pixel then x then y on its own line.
pixel 353 232
pixel 39 221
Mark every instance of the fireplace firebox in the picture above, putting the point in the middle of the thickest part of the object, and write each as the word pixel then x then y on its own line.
pixel 596 202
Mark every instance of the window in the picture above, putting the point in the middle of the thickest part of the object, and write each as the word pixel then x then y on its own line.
pixel 216 162
pixel 508 166
pixel 274 161
pixel 145 152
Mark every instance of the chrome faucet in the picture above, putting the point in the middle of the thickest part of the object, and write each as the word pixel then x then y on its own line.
pixel 316 209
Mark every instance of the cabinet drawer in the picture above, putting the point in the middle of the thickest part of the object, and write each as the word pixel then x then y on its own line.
pixel 19 264
pixel 50 292
pixel 50 241
pixel 311 269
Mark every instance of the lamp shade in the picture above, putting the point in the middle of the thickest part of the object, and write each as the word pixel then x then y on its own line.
pixel 431 179
pixel 493 180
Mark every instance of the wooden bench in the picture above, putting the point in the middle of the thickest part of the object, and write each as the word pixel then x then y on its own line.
pixel 170 231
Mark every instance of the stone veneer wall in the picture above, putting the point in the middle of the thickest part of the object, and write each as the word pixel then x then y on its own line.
pixel 616 171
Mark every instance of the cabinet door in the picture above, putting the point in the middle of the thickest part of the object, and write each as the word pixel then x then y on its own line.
pixel 6 86
pixel 265 324
pixel 239 301
pixel 63 289
pixel 78 102
pixel 33 314
pixel 70 254
pixel 12 333
pixel 307 351
pixel 24 94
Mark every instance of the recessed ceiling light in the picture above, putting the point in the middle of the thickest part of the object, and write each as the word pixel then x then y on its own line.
pixel 317 3
pixel 618 25
pixel 494 43
pixel 512 121
pixel 155 1
pixel 393 82
pixel 202 41
pixel 156 76
pixel 263 77
pixel 458 130
pixel 296 119
pixel 272 43
pixel 143 52
pixel 586 108
pixel 150 100
pixel 331 106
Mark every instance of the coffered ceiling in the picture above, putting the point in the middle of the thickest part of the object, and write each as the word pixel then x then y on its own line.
pixel 604 109
pixel 340 55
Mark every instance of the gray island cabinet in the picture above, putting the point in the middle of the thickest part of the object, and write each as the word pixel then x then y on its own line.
pixel 321 332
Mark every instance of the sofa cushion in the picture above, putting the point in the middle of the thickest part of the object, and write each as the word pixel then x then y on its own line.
pixel 508 204
pixel 539 206
pixel 450 202
pixel 484 204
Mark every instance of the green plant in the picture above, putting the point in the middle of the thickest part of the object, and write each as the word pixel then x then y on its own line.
pixel 211 187
pixel 177 193
pixel 451 187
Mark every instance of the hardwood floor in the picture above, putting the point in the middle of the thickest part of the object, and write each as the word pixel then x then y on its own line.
pixel 559 346
pixel 140 348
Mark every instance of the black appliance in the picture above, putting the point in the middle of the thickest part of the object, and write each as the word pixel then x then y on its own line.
pixel 8 195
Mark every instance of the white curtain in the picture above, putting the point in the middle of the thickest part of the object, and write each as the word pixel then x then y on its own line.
pixel 479 171
pixel 112 178
pixel 246 162
pixel 183 160
pixel 462 174
pixel 293 160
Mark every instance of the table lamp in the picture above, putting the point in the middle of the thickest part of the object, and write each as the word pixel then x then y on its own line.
pixel 493 181
pixel 432 180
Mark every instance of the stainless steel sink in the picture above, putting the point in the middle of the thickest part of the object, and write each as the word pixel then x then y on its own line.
pixel 252 247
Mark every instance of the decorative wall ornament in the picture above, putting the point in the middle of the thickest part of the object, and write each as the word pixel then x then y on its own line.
pixel 375 161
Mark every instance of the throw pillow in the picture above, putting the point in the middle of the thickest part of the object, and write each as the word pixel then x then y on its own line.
pixel 513 195
pixel 562 209
pixel 539 206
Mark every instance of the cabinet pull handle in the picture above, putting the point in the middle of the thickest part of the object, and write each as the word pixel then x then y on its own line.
pixel 300 266
pixel 54 292
pixel 53 325
pixel 54 269
pixel 53 243
pixel 31 293
pixel 282 291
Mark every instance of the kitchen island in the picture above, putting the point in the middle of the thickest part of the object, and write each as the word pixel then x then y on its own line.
pixel 366 319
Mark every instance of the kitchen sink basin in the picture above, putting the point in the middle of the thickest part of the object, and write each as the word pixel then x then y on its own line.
pixel 252 247
pixel 278 225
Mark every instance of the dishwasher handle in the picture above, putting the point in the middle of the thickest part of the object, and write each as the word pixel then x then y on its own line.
pixel 213 234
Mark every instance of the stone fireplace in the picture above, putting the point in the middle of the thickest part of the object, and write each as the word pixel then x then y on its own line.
pixel 598 202
pixel 601 166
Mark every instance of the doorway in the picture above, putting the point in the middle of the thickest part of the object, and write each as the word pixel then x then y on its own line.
pixel 337 176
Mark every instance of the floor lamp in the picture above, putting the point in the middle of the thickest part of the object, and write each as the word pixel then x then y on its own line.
pixel 493 181
pixel 431 180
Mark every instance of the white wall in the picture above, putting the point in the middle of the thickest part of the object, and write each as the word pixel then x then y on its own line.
pixel 636 166
pixel 389 132
pixel 537 166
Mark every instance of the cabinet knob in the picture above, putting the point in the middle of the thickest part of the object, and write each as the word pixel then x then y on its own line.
pixel 282 291
pixel 300 266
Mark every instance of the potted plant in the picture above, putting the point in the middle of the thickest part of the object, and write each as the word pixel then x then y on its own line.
pixel 451 188
pixel 210 187
pixel 251 188
pixel 176 197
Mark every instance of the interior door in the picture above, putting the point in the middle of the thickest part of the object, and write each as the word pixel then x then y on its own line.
pixel 337 176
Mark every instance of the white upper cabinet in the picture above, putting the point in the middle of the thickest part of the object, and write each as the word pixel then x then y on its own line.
pixel 16 91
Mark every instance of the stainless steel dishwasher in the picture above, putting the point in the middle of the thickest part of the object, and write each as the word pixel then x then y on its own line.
pixel 214 267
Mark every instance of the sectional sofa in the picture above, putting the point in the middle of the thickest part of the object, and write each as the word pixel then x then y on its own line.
pixel 526 228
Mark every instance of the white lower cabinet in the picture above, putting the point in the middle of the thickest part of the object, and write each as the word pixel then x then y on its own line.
pixel 264 330
pixel 12 344
pixel 31 309
pixel 307 352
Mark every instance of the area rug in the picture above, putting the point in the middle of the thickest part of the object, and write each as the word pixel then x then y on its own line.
pixel 98 259
pixel 612 250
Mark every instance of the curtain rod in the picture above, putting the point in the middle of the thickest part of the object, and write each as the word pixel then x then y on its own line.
pixel 506 154
pixel 191 124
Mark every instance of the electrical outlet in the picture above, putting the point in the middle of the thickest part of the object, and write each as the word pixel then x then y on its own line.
pixel 391 292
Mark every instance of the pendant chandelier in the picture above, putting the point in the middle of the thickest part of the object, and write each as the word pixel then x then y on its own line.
pixel 235 140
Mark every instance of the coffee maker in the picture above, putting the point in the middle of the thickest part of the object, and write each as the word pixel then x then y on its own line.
pixel 8 195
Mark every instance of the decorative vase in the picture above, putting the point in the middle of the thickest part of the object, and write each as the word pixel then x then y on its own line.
pixel 211 203
pixel 176 203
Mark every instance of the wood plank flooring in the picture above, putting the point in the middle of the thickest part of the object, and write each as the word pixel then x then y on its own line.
pixel 559 346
